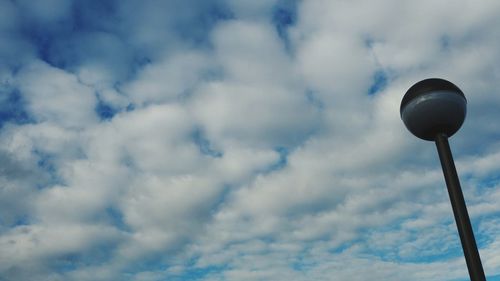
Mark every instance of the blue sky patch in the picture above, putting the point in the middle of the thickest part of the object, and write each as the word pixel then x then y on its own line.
pixel 313 99
pixel 380 81
pixel 194 273
pixel 12 108
pixel 284 15
pixel 104 111
pixel 45 163
pixel 283 159
pixel 204 145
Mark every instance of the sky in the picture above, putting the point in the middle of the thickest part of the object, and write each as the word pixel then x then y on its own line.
pixel 241 140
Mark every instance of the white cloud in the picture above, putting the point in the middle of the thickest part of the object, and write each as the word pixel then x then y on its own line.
pixel 258 100
pixel 169 79
pixel 45 244
pixel 53 95
pixel 105 59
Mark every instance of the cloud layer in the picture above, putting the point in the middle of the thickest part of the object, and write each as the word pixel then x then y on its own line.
pixel 240 140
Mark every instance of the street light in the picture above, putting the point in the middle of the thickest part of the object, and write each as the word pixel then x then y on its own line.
pixel 434 109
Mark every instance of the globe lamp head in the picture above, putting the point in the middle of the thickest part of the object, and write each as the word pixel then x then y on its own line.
pixel 433 106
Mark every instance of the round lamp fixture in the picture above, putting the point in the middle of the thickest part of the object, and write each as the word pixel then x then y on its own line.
pixel 433 106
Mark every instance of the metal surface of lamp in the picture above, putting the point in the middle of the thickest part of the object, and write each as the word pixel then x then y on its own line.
pixel 434 109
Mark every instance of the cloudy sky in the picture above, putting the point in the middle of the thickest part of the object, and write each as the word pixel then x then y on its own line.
pixel 241 139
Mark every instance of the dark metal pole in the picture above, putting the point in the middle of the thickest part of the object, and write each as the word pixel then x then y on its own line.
pixel 469 246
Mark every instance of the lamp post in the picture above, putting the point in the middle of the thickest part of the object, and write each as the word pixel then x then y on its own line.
pixel 434 109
